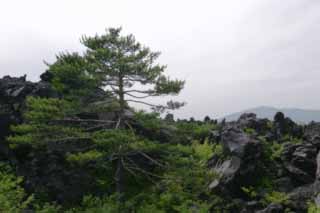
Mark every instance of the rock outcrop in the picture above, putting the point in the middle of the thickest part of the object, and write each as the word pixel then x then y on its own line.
pixel 296 173
pixel 240 163
pixel 13 93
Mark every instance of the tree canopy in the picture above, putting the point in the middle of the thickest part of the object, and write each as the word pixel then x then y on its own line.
pixel 118 64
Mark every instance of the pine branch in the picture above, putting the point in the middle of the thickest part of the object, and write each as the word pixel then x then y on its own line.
pixel 72 121
pixel 146 172
pixel 141 91
pixel 69 139
pixel 95 128
pixel 142 102
pixel 146 96
pixel 128 169
pixel 151 159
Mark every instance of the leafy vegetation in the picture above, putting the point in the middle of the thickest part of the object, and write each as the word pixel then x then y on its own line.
pixel 13 198
pixel 313 208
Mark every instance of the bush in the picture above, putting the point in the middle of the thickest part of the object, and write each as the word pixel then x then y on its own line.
pixel 276 197
pixel 13 198
pixel 313 208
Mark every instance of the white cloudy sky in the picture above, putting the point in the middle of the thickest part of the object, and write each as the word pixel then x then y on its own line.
pixel 233 54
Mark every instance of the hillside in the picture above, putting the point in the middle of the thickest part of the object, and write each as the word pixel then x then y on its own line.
pixel 297 115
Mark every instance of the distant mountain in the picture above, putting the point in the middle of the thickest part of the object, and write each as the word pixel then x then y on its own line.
pixel 297 115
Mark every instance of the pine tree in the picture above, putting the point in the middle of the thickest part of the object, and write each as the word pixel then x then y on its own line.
pixel 128 69
pixel 71 76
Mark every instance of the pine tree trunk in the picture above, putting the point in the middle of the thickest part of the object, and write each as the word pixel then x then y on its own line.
pixel 121 98
pixel 120 180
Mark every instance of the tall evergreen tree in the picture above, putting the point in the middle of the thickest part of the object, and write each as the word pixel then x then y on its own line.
pixel 128 69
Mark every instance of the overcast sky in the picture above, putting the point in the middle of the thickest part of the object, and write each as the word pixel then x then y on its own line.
pixel 233 54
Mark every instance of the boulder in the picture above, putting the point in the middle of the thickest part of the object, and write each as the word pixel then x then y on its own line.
pixel 300 196
pixel 300 162
pixel 272 208
pixel 312 134
pixel 235 141
pixel 250 120
pixel 240 164
pixel 285 126
pixel 318 167
pixel 247 119
pixel 251 206
pixel 227 170
pixel 312 130
pixel 13 93
pixel 284 184
pixel 50 173
pixel 15 90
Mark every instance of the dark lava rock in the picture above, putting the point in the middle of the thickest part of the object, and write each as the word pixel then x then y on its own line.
pixel 236 142
pixel 318 167
pixel 13 93
pixel 312 133
pixel 49 173
pixel 284 184
pixel 241 164
pixel 285 126
pixel 272 208
pixel 312 129
pixel 300 162
pixel 215 136
pixel 300 196
pixel 15 90
pixel 228 170
pixel 250 120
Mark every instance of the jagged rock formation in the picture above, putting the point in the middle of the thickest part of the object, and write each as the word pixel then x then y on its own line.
pixel 243 152
pixel 295 172
pixel 13 92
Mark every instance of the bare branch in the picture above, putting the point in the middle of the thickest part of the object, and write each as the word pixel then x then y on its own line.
pixel 151 159
pixel 142 81
pixel 141 91
pixel 118 123
pixel 146 172
pixel 146 96
pixel 95 128
pixel 114 90
pixel 142 102
pixel 128 169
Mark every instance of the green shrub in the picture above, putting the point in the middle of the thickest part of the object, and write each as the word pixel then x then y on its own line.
pixel 313 208
pixel 203 151
pixel 217 150
pixel 276 197
pixel 13 198
pixel 250 192
pixel 84 157
pixel 249 131
pixel 276 150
